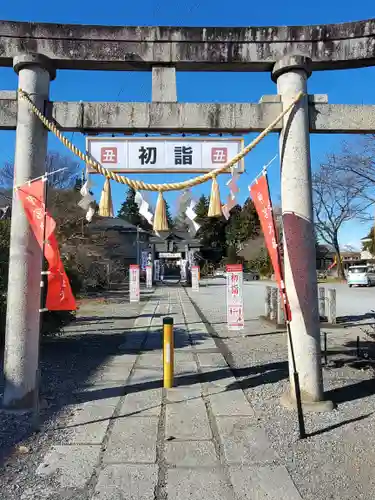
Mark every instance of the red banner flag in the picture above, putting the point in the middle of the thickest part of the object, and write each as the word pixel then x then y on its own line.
pixel 59 293
pixel 260 195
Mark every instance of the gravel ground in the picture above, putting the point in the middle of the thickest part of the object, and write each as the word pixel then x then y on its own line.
pixel 67 362
pixel 337 460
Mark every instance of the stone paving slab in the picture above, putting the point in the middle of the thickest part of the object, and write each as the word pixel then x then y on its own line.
pixel 143 403
pixel 198 484
pixel 72 466
pixel 263 483
pixel 177 394
pixel 126 482
pixel 230 403
pixel 191 454
pixel 243 442
pixel 133 439
pixel 214 359
pixel 115 372
pixel 187 420
pixel 146 378
pixel 88 425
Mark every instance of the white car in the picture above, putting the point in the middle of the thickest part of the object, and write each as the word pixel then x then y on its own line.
pixel 361 276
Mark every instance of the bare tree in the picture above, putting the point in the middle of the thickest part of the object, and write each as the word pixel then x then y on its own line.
pixel 358 160
pixel 338 198
pixel 64 179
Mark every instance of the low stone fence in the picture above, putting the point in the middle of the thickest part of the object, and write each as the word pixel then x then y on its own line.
pixel 274 308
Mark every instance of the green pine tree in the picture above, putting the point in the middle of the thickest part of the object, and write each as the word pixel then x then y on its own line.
pixel 250 224
pixel 201 208
pixel 169 216
pixel 129 211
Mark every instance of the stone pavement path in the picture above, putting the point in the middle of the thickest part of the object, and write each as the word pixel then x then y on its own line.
pixel 130 439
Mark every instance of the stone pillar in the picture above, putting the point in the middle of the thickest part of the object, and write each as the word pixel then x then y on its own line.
pixel 267 302
pixel 322 302
pixel 164 88
pixel 25 259
pixel 331 315
pixel 291 74
pixel 273 304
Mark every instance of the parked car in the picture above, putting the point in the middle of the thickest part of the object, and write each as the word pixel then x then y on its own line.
pixel 361 276
pixel 251 276
pixel 220 273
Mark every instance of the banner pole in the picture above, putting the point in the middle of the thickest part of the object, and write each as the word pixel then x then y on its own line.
pixel 36 413
pixel 297 388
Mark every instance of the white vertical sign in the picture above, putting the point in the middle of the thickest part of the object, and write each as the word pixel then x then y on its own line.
pixel 195 278
pixel 149 277
pixel 157 270
pixel 235 316
pixel 183 264
pixel 134 283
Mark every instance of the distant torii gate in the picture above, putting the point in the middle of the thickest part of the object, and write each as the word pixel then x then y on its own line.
pixel 290 54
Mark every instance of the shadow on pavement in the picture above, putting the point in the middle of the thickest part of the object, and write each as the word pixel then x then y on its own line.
pixel 339 424
pixel 67 362
pixel 349 321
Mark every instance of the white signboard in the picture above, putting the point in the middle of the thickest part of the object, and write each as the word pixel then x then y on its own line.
pixel 134 283
pixel 166 255
pixel 195 278
pixel 183 264
pixel 144 260
pixel 161 154
pixel 149 277
pixel 157 270
pixel 235 316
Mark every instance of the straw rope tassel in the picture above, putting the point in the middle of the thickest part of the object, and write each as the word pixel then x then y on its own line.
pixel 160 217
pixel 105 205
pixel 214 210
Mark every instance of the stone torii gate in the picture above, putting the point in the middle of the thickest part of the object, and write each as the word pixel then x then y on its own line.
pixel 289 54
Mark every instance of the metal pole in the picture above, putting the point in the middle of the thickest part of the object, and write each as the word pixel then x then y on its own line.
pixel 358 350
pixel 138 256
pixel 42 309
pixel 168 352
pixel 297 388
pixel 325 349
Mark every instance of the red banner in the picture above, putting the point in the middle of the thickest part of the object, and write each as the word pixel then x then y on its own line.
pixel 59 293
pixel 260 195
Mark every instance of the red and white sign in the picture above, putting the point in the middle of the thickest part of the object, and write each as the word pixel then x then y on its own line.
pixel 157 154
pixel 108 155
pixel 219 155
pixel 134 283
pixel 260 194
pixel 148 276
pixel 235 316
pixel 195 278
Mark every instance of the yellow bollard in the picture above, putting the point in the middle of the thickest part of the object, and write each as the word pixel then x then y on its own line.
pixel 168 352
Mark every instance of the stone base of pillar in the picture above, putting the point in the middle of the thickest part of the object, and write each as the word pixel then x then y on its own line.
pixel 288 401
pixel 9 410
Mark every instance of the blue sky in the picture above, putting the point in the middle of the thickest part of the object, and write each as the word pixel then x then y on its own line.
pixel 345 87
